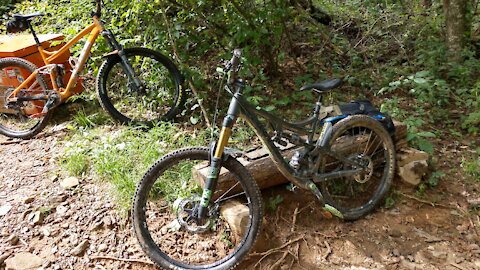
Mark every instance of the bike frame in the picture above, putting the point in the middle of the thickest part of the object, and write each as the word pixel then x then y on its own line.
pixel 49 58
pixel 239 107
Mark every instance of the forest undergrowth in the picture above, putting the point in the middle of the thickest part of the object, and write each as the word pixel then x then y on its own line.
pixel 387 51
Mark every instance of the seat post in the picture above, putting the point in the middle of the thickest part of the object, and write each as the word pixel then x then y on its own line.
pixel 34 34
pixel 316 115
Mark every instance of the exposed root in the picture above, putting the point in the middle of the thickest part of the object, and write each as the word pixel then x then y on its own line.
pixel 11 142
pixel 276 250
pixel 458 266
pixel 329 251
pixel 278 263
pixel 294 221
pixel 121 259
pixel 424 201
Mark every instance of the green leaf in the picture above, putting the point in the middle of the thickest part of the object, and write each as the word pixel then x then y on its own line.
pixel 425 145
pixel 420 80
pixel 422 73
pixel 426 134
pixel 269 108
pixel 193 120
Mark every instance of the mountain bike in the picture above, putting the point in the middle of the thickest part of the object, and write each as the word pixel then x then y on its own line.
pixel 346 161
pixel 134 85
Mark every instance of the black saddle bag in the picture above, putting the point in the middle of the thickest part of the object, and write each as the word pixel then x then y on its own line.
pixel 365 107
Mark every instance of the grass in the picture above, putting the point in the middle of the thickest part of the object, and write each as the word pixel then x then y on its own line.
pixel 123 155
pixel 471 166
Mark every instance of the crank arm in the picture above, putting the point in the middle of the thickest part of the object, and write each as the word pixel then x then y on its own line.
pixel 30 98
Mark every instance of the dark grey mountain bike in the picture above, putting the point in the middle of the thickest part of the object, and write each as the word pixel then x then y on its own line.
pixel 346 161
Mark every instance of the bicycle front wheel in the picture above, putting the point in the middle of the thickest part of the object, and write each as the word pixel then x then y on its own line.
pixel 364 140
pixel 160 97
pixel 165 206
pixel 21 119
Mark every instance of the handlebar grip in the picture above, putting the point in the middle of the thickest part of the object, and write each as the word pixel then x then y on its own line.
pixel 235 62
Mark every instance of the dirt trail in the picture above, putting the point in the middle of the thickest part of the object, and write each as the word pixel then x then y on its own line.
pixel 68 228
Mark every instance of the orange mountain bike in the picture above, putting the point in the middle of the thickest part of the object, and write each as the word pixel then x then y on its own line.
pixel 135 85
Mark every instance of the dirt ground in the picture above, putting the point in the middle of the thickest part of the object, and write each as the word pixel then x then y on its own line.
pixel 79 228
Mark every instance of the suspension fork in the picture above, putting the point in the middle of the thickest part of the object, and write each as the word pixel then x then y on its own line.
pixel 127 67
pixel 216 156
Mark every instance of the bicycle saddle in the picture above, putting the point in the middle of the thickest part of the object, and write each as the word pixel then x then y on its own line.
pixel 27 17
pixel 324 86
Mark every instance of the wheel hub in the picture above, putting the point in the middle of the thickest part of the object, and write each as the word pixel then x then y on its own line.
pixel 187 216
pixel 366 174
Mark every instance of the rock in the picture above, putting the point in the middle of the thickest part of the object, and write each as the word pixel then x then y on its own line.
pixel 46 232
pixel 102 247
pixel 13 239
pixel 473 201
pixel 28 199
pixel 413 172
pixel 46 264
pixel 69 182
pixel 59 198
pixel 4 209
pixel 108 222
pixel 395 233
pixel 80 248
pixel 3 257
pixel 61 210
pixel 37 218
pixel 407 155
pixel 405 264
pixel 236 215
pixel 23 261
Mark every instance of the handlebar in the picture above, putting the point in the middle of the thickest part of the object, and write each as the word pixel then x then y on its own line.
pixel 234 65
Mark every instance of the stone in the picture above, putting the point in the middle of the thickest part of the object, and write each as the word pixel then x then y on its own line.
pixel 13 239
pixel 4 209
pixel 108 222
pixel 3 257
pixel 61 210
pixel 80 249
pixel 69 182
pixel 28 199
pixel 59 198
pixel 413 172
pixel 236 215
pixel 37 218
pixel 23 261
pixel 407 155
pixel 102 247
pixel 395 233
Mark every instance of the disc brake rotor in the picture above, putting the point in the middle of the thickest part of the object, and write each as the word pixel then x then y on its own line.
pixel 367 173
pixel 187 216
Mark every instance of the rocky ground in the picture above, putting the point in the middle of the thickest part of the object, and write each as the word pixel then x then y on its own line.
pixel 49 221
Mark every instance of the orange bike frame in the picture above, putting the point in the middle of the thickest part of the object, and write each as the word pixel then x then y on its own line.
pixel 49 57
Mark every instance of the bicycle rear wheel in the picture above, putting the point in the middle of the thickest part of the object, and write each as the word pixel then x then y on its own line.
pixel 160 98
pixel 21 119
pixel 166 202
pixel 365 140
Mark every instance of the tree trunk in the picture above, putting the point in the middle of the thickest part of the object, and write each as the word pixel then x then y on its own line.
pixel 455 16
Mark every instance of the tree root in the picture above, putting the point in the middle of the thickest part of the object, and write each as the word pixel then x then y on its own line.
pixel 120 259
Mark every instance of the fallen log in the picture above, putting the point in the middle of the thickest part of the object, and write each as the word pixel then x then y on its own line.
pixel 263 169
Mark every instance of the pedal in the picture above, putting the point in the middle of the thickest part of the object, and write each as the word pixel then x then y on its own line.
pixel 326 207
pixel 332 211
pixel 327 214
